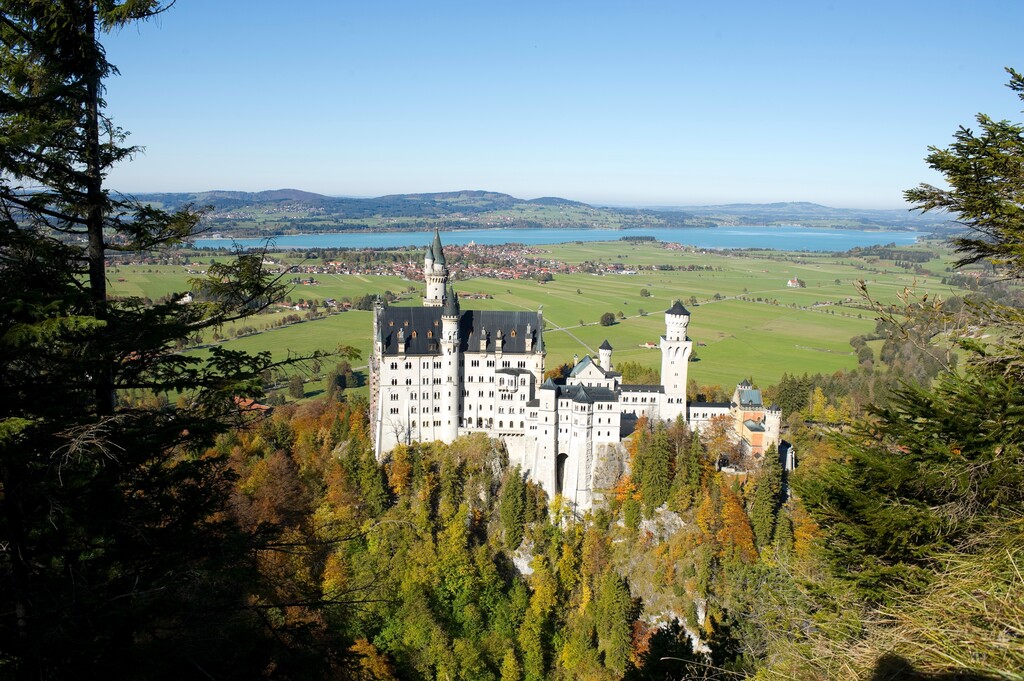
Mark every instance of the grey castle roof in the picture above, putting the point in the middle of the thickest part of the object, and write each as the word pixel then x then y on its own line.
pixel 586 394
pixel 435 249
pixel 750 398
pixel 606 345
pixel 754 426
pixel 451 304
pixel 581 365
pixel 421 330
pixel 677 309
pixel 638 388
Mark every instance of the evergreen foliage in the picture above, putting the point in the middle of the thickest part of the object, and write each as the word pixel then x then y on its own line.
pixel 982 170
pixel 767 500
pixel 120 556
pixel 513 508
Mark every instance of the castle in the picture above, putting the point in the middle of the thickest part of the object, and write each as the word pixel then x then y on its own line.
pixel 438 372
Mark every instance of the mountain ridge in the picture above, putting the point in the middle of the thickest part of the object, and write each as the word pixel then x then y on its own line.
pixel 288 210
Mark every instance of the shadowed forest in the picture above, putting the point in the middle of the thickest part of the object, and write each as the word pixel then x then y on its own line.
pixel 158 520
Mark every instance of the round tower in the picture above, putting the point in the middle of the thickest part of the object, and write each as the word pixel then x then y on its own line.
pixel 451 391
pixel 675 360
pixel 435 272
pixel 605 355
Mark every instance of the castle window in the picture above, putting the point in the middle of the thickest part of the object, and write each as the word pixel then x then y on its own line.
pixel 430 334
pixel 405 323
pixel 391 323
pixel 435 322
pixel 414 333
pixel 513 334
pixel 432 347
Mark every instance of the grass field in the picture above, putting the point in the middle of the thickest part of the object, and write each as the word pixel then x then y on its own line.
pixel 736 335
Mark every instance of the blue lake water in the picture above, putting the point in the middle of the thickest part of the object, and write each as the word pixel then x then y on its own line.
pixel 780 237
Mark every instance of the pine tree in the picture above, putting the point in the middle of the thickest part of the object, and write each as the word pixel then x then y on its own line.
pixel 513 508
pixel 121 558
pixel 767 498
pixel 614 621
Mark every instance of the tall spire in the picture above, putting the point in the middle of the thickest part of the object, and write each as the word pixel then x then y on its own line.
pixel 436 248
pixel 451 304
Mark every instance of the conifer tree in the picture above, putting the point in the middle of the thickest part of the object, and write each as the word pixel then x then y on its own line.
pixel 767 498
pixel 119 557
pixel 614 621
pixel 513 508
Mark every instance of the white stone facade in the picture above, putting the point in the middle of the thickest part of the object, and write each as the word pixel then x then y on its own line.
pixel 438 372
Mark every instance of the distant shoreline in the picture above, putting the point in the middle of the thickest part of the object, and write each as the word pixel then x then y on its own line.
pixel 762 237
pixel 377 230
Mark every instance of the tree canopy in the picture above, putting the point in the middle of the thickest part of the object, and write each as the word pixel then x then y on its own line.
pixel 119 557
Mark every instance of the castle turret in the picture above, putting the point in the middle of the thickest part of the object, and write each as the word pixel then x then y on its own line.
pixel 675 358
pixel 451 390
pixel 772 426
pixel 435 272
pixel 605 355
pixel 539 355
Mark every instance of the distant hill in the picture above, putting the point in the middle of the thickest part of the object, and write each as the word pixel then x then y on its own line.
pixel 803 211
pixel 289 211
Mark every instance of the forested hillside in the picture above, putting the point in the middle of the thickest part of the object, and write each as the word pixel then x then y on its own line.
pixel 159 521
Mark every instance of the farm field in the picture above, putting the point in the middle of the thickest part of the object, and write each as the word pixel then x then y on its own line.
pixel 745 321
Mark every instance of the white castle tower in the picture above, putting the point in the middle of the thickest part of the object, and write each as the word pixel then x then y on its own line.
pixel 675 360
pixel 772 426
pixel 435 272
pixel 450 388
pixel 605 355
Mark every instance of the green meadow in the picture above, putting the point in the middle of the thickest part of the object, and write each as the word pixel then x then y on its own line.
pixel 744 319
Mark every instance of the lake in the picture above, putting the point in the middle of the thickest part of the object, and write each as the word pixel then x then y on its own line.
pixel 779 237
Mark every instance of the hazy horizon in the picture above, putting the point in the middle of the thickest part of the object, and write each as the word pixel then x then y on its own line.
pixel 653 104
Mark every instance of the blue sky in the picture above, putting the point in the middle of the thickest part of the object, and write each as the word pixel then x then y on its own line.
pixel 648 103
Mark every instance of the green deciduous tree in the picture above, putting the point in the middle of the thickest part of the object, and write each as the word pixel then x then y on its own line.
pixel 296 387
